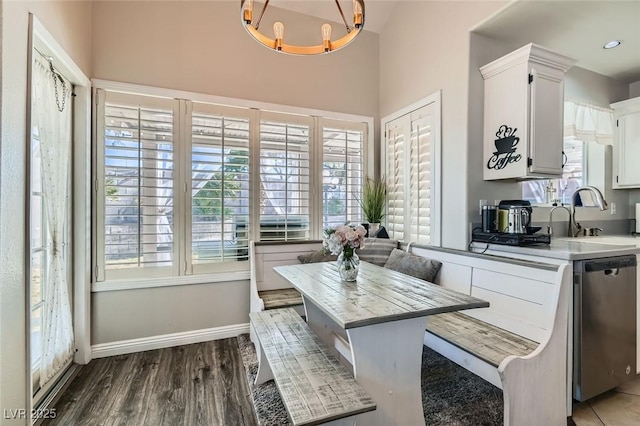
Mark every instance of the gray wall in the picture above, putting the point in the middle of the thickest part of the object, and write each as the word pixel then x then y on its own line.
pixel 634 89
pixel 131 314
pixel 69 22
pixel 201 47
pixel 425 47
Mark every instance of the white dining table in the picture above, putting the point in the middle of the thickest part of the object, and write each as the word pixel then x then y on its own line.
pixel 383 315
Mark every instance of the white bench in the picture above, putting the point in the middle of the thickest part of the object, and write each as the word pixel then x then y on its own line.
pixel 268 289
pixel 315 388
pixel 519 343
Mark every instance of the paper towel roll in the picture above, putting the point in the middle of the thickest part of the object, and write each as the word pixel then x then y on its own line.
pixel 637 218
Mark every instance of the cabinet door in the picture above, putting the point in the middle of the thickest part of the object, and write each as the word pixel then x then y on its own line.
pixel 546 132
pixel 628 144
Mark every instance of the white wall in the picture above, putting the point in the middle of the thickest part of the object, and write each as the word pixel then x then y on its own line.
pixel 423 48
pixel 69 23
pixel 201 47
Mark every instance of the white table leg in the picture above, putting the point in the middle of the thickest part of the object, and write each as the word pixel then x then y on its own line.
pixel 326 329
pixel 387 363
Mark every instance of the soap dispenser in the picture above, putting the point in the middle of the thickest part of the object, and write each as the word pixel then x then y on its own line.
pixel 550 192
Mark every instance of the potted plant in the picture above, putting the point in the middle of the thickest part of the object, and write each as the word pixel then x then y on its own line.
pixel 374 195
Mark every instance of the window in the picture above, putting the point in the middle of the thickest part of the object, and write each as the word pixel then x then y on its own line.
pixel 587 130
pixel 284 179
pixel 219 186
pixel 137 169
pixel 183 186
pixel 412 173
pixel 40 243
pixel 547 191
pixel 342 173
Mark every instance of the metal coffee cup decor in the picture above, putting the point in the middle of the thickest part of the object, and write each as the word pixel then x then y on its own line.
pixel 505 153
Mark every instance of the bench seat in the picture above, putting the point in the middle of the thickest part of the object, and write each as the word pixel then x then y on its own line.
pixel 314 386
pixel 281 298
pixel 487 342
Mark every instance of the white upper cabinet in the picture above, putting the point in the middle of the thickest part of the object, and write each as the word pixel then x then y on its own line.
pixel 523 114
pixel 626 145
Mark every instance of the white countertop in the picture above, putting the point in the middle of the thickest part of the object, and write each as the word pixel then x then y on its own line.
pixel 572 248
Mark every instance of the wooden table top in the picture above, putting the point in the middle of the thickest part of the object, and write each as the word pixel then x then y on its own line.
pixel 379 294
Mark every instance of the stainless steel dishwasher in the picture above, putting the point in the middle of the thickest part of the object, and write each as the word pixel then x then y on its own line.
pixel 604 329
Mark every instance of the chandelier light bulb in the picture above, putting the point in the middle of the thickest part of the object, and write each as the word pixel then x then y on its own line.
pixel 326 37
pixel 278 31
pixel 248 11
pixel 357 14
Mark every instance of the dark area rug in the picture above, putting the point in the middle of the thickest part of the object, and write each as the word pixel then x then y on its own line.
pixel 450 394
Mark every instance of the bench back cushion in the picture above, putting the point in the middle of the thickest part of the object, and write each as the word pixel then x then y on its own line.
pixel 416 266
pixel 521 294
pixel 377 250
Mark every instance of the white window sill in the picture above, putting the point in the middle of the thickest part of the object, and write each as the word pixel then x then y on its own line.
pixel 117 285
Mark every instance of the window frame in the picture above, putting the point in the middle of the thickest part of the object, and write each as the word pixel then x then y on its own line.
pixel 100 270
pixel 186 273
pixel 435 100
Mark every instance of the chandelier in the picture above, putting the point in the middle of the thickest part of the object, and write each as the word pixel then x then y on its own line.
pixel 277 43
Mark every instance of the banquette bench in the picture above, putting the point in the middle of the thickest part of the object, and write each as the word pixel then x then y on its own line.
pixel 518 344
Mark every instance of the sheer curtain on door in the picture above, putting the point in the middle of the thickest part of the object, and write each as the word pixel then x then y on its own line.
pixel 51 112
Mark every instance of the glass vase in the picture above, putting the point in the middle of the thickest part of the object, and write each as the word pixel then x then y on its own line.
pixel 348 266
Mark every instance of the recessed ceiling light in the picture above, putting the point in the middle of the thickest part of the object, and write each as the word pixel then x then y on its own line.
pixel 612 44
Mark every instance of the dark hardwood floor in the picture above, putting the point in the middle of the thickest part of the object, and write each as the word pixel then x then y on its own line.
pixel 200 384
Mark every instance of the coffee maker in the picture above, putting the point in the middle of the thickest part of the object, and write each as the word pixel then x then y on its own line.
pixel 514 216
pixel 509 223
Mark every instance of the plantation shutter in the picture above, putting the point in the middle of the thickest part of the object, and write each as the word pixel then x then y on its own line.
pixel 410 152
pixel 420 176
pixel 219 186
pixel 395 174
pixel 137 136
pixel 342 172
pixel 284 177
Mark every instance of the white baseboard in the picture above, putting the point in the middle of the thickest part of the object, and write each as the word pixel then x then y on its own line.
pixel 122 347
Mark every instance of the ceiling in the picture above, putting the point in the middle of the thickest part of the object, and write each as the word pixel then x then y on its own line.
pixel 577 29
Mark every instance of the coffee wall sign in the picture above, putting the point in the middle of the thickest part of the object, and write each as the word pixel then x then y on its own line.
pixel 505 152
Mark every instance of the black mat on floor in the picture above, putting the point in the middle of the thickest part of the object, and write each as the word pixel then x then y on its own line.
pixel 450 394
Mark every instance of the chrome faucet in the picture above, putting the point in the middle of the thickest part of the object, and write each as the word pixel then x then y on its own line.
pixel 574 227
pixel 550 227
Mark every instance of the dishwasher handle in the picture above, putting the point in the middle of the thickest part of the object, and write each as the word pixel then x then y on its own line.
pixel 609 265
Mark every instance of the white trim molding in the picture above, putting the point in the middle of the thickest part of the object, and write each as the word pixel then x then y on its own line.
pixel 117 285
pixel 122 347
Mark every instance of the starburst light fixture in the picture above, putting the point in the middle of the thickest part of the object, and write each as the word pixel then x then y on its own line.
pixel 277 43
